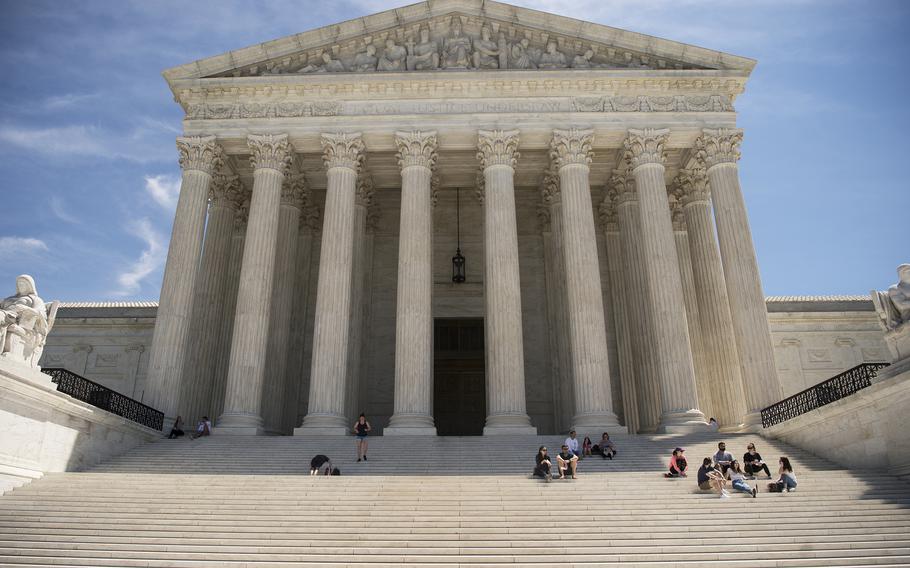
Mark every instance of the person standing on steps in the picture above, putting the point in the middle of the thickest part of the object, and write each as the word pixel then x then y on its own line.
pixel 542 465
pixel 361 430
pixel 753 462
pixel 723 458
pixel 567 462
pixel 572 443
pixel 678 464
pixel 737 479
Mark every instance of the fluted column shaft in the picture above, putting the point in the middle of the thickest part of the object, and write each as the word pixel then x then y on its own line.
pixel 226 199
pixel 719 150
pixel 225 330
pixel 673 350
pixel 506 409
pixel 364 196
pixel 413 412
pixel 200 157
pixel 724 375
pixel 293 193
pixel 641 323
pixel 571 153
pixel 271 156
pixel 326 406
pixel 296 375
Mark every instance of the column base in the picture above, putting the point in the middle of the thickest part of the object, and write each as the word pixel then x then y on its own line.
pixel 509 424
pixel 409 431
pixel 238 431
pixel 595 424
pixel 323 425
pixel 687 422
pixel 751 423
pixel 239 425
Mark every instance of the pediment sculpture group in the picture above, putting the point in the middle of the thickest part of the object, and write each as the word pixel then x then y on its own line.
pixel 456 50
pixel 25 321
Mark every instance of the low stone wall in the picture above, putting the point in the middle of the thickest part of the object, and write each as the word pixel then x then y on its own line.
pixel 46 431
pixel 866 430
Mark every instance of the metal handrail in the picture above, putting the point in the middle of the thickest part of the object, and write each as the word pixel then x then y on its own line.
pixel 104 398
pixel 826 392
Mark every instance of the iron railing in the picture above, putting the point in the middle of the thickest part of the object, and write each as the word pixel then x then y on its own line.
pixel 823 393
pixel 104 398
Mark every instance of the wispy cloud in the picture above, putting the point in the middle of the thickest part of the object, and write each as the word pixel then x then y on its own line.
pixel 141 144
pixel 164 189
pixel 12 248
pixel 59 209
pixel 67 100
pixel 149 262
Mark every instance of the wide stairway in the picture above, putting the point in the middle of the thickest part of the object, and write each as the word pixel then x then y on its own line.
pixel 444 502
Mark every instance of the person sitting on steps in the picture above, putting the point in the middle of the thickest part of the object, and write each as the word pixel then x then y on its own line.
pixel 753 462
pixel 567 461
pixel 723 458
pixel 586 446
pixel 678 464
pixel 204 428
pixel 720 480
pixel 542 464
pixel 572 443
pixel 605 447
pixel 737 479
pixel 177 429
pixel 787 479
pixel 707 481
pixel 361 429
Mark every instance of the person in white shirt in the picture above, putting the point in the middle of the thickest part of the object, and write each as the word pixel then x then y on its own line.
pixel 204 428
pixel 572 443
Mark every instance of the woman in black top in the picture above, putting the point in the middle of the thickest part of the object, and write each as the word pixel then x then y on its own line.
pixel 361 429
pixel 177 430
pixel 753 462
pixel 542 464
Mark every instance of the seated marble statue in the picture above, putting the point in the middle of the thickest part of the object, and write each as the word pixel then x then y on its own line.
pixel 365 61
pixel 893 306
pixel 25 321
pixel 583 61
pixel 425 54
pixel 456 48
pixel 327 65
pixel 393 59
pixel 522 57
pixel 552 59
pixel 486 51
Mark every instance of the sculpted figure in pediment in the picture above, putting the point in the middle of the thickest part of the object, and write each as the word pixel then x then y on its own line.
pixel 583 61
pixel 522 56
pixel 393 59
pixel 326 65
pixel 425 54
pixel 552 59
pixel 365 61
pixel 486 51
pixel 456 48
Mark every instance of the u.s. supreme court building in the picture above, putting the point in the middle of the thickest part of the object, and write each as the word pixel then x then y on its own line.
pixel 462 217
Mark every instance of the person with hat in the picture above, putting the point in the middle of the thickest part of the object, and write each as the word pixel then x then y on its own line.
pixel 678 464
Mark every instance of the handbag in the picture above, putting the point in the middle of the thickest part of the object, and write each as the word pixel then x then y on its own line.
pixel 775 487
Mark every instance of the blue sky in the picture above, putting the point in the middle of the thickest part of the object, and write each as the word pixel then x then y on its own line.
pixel 90 174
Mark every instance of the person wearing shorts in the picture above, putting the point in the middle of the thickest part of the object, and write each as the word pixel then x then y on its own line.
pixel 361 431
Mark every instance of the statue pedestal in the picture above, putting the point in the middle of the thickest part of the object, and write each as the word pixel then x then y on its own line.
pixel 898 342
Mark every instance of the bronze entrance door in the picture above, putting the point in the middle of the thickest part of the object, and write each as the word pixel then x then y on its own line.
pixel 459 393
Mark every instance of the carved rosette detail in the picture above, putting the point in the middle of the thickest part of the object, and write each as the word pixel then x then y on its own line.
pixel 272 151
pixel 200 153
pixel 691 186
pixel 646 146
pixel 226 191
pixel 294 191
pixel 718 146
pixel 343 150
pixel 571 146
pixel 416 148
pixel 497 148
pixel 365 190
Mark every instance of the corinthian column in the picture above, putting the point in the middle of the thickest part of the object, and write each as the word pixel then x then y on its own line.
pixel 293 193
pixel 718 150
pixel 226 198
pixel 506 410
pixel 200 157
pixel 635 283
pixel 672 349
pixel 343 157
pixel 271 157
pixel 570 152
pixel 620 300
pixel 724 378
pixel 414 323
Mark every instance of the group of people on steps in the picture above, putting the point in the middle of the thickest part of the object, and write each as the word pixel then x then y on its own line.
pixel 722 470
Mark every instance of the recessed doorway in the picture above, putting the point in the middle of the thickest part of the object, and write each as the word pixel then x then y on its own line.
pixel 459 377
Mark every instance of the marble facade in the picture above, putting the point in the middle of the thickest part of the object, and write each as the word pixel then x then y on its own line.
pixel 609 250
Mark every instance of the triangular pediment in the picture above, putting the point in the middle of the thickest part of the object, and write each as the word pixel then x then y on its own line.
pixel 459 35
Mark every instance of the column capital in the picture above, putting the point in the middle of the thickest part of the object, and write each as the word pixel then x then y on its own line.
pixel 200 153
pixel 646 146
pixel 691 186
pixel 272 151
pixel 718 146
pixel 343 150
pixel 550 191
pixel 365 190
pixel 497 148
pixel 607 211
pixel 242 215
pixel 572 146
pixel 226 191
pixel 294 190
pixel 623 184
pixel 677 216
pixel 416 148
